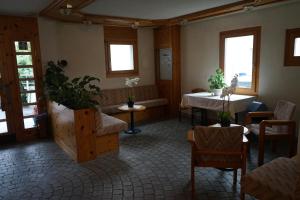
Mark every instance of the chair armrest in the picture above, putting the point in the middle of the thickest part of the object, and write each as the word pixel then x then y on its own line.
pixel 251 115
pixel 277 122
pixel 268 123
pixel 190 136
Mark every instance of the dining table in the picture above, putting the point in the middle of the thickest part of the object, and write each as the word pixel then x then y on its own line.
pixel 206 101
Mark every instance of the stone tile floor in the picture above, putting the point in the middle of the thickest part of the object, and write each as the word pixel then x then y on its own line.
pixel 154 164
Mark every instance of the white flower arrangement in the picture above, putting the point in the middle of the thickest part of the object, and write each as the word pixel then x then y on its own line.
pixel 223 116
pixel 130 82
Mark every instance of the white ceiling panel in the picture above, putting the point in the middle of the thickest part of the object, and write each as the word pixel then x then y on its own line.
pixel 151 9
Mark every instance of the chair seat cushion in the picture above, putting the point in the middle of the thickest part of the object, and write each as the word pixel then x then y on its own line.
pixel 275 180
pixel 254 128
pixel 111 125
pixel 113 109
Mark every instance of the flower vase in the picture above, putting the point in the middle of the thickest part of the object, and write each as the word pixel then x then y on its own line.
pixel 225 123
pixel 130 104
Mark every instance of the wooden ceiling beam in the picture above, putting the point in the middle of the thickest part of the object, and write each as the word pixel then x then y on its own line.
pixel 53 11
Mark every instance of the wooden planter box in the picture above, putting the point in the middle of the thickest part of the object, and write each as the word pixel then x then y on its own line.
pixel 74 131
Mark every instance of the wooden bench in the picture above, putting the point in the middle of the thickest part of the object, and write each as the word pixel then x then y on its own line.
pixel 143 95
pixel 84 134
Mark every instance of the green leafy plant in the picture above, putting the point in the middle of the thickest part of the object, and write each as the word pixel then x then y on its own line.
pixel 224 118
pixel 217 81
pixel 78 93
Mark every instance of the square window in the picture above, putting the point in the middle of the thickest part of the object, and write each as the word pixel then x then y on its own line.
pixel 239 54
pixel 239 60
pixel 121 54
pixel 121 57
pixel 292 47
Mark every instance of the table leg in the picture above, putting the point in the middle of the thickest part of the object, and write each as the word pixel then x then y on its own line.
pixel 132 130
pixel 236 118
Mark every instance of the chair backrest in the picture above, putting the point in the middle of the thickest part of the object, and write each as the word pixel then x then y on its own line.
pixel 219 139
pixel 284 110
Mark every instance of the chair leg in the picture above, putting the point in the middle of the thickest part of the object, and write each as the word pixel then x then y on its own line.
pixel 234 176
pixel 274 146
pixel 292 146
pixel 261 152
pixel 192 117
pixel 242 192
pixel 179 114
pixel 193 180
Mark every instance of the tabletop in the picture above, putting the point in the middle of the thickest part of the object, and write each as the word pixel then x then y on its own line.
pixel 238 103
pixel 134 108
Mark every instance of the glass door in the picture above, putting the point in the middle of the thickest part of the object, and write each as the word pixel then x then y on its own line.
pixel 27 83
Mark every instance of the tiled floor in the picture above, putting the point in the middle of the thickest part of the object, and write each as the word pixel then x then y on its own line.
pixel 154 164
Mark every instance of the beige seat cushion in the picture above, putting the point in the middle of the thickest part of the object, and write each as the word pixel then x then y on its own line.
pixel 107 124
pixel 153 102
pixel 275 180
pixel 254 128
pixel 113 109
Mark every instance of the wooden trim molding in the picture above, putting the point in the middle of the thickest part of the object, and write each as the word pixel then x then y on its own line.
pixel 289 58
pixel 256 32
pixel 53 11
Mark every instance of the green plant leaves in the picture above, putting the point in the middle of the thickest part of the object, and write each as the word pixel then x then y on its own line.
pixel 217 81
pixel 79 93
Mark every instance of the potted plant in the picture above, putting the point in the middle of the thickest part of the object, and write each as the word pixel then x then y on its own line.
pixel 216 82
pixel 78 93
pixel 130 82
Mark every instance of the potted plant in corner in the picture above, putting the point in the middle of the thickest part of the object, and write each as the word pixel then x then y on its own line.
pixel 217 82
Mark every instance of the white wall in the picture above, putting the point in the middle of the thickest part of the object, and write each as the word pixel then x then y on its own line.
pixel 200 51
pixel 83 47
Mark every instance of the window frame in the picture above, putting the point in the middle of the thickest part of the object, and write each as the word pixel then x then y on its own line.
pixel 120 36
pixel 256 32
pixel 289 58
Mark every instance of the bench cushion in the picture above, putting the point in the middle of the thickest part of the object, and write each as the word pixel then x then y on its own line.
pixel 120 95
pixel 113 109
pixel 106 124
pixel 274 180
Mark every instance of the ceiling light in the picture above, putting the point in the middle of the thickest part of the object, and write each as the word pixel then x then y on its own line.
pixel 248 8
pixel 135 25
pixel 66 10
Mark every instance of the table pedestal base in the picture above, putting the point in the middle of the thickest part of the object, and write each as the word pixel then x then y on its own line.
pixel 132 131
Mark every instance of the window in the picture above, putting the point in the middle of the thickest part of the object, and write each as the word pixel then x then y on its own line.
pixel 239 54
pixel 121 51
pixel 292 47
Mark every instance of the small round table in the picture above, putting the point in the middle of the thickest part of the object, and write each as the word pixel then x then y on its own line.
pixel 135 108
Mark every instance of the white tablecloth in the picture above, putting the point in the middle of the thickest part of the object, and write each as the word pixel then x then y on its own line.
pixel 238 103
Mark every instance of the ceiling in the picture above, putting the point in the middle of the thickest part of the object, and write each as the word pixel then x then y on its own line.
pixel 22 7
pixel 151 9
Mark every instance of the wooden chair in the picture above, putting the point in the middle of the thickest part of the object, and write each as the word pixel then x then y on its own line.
pixel 279 126
pixel 194 110
pixel 220 147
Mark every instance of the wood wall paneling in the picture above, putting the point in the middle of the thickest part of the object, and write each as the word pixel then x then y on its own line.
pixel 169 37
